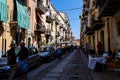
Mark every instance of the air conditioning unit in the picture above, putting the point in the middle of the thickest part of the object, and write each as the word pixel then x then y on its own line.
pixel 86 9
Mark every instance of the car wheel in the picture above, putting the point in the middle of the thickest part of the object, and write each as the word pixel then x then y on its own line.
pixel 49 59
pixel 38 63
pixel 52 58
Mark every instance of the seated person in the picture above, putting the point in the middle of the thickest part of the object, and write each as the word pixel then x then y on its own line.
pixel 118 55
pixel 112 55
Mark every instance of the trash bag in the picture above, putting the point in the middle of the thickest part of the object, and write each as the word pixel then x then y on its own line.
pixel 24 66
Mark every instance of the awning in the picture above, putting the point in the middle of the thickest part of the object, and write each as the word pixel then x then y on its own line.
pixel 22 15
pixel 3 10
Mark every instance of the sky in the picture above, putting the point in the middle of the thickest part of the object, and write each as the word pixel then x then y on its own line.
pixel 73 10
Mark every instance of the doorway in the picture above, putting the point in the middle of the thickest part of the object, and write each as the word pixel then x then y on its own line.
pixel 102 39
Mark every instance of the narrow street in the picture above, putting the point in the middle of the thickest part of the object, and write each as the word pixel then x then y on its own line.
pixel 35 33
pixel 72 67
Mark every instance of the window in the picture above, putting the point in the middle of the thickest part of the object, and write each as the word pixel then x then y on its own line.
pixel 47 2
pixel 1 29
pixel 25 2
pixel 52 26
pixel 118 28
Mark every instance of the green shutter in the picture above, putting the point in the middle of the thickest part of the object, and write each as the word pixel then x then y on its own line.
pixel 3 10
pixel 22 15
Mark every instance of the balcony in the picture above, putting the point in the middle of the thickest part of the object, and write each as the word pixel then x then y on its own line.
pixel 64 29
pixel 57 19
pixel 85 11
pixel 108 7
pixel 88 31
pixel 48 32
pixel 96 23
pixel 84 3
pixel 40 7
pixel 57 34
pixel 13 18
pixel 61 25
pixel 40 28
pixel 66 20
pixel 49 18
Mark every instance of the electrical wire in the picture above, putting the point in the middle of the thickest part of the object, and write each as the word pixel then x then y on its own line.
pixel 74 19
pixel 71 9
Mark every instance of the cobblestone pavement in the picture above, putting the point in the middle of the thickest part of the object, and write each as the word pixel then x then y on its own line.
pixel 76 68
pixel 70 68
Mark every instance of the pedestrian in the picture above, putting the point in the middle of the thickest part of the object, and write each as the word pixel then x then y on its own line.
pixel 99 48
pixel 11 57
pixel 11 54
pixel 23 56
pixel 112 54
pixel 87 49
pixel 59 52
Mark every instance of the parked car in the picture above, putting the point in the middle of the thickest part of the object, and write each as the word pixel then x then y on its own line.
pixel 33 60
pixel 47 53
pixel 4 68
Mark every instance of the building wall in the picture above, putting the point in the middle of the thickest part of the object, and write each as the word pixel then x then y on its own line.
pixel 115 39
pixel 5 34
pixel 10 29
pixel 108 32
pixel 32 13
pixel 10 9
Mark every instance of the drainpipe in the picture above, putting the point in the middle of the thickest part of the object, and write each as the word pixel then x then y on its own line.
pixel 5 36
pixel 5 45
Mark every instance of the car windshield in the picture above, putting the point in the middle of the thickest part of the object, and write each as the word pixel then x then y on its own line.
pixel 45 49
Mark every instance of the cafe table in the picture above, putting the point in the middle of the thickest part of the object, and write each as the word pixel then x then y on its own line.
pixel 93 60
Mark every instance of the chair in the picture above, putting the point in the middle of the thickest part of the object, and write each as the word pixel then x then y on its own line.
pixel 105 54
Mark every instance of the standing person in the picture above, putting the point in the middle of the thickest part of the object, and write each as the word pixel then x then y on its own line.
pixel 87 49
pixel 99 48
pixel 23 55
pixel 12 60
pixel 11 54
pixel 112 54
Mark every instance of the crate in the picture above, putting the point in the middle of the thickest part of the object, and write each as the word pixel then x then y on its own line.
pixel 110 66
